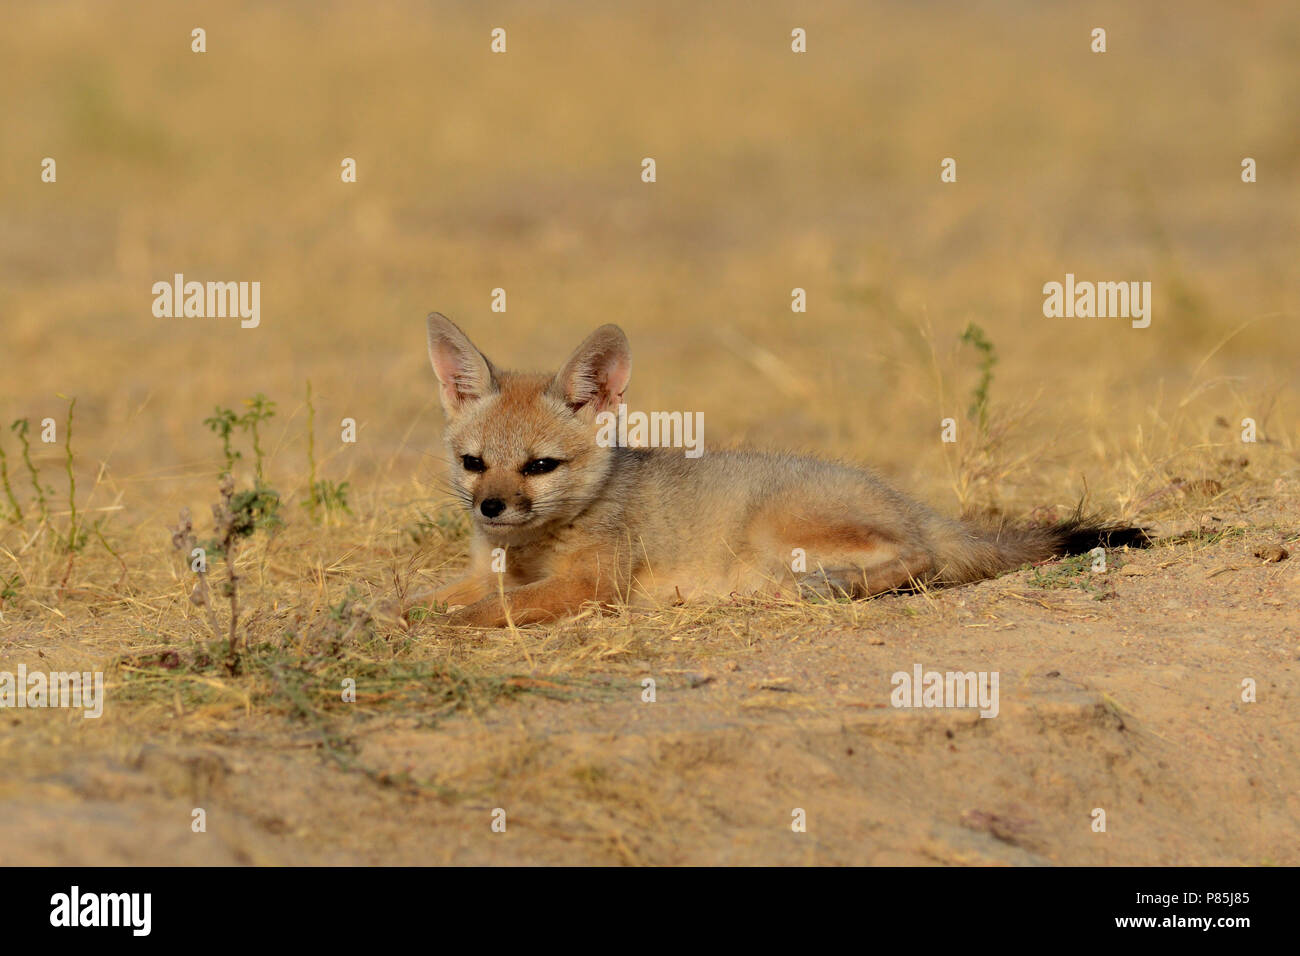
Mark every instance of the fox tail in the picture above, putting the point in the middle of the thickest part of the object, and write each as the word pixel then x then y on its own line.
pixel 969 552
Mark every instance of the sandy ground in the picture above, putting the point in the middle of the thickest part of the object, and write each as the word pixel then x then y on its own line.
pixel 1124 694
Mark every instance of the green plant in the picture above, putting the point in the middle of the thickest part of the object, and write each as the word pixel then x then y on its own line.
pixel 322 494
pixel 238 515
pixel 250 509
pixel 15 510
pixel 9 587
pixel 1074 572
pixel 260 409
pixel 76 537
pixel 222 423
pixel 20 428
pixel 332 496
pixel 979 407
pixel 75 540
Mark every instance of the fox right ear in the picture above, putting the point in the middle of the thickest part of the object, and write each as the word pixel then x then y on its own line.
pixel 464 373
pixel 597 374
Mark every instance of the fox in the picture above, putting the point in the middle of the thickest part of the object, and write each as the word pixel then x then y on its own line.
pixel 581 521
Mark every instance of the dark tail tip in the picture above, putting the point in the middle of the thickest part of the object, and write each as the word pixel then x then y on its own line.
pixel 1079 535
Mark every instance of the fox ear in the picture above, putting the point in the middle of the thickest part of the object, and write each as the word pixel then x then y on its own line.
pixel 596 375
pixel 464 373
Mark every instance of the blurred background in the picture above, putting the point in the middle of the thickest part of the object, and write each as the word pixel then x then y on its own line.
pixel 775 170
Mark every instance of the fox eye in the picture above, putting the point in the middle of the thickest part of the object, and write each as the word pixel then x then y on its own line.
pixel 472 463
pixel 540 466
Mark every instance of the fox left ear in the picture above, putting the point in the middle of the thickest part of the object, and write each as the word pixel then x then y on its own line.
pixel 464 373
pixel 596 375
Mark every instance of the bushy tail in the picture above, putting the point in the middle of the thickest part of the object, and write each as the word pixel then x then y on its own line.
pixel 968 552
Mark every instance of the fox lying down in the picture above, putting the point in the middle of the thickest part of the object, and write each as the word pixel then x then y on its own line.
pixel 581 521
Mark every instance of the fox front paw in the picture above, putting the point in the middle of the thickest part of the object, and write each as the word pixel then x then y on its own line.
pixel 475 615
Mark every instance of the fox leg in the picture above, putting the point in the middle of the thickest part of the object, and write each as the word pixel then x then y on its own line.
pixel 547 600
pixel 476 584
pixel 467 590
pixel 866 575
pixel 849 558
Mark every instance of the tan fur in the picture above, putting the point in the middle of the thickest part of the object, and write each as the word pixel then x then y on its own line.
pixel 650 526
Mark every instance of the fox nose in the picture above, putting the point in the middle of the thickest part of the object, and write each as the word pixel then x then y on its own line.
pixel 491 507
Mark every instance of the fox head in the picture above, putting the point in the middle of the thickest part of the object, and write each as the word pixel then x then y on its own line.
pixel 524 454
